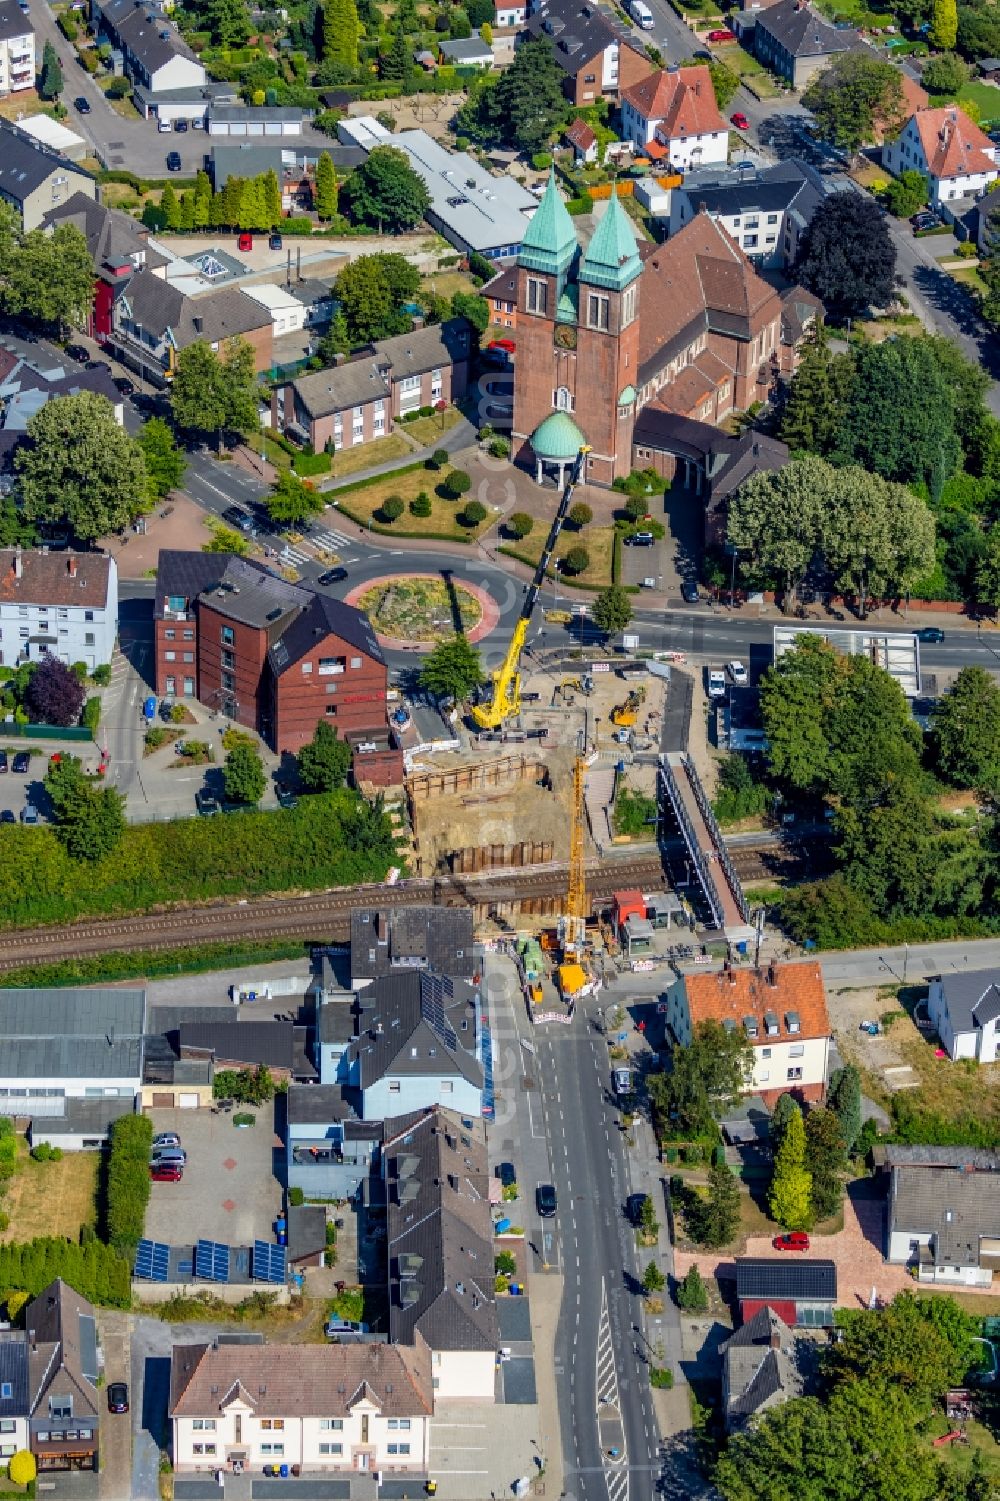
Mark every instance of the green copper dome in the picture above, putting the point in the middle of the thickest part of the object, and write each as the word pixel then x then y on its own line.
pixel 549 242
pixel 558 437
pixel 612 257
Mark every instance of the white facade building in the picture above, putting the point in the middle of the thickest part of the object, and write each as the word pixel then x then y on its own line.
pixel 672 116
pixel 57 603
pixel 17 49
pixel 288 313
pixel 57 1045
pixel 965 1009
pixel 945 1223
pixel 957 158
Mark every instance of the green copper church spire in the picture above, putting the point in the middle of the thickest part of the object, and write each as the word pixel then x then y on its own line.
pixel 612 258
pixel 549 242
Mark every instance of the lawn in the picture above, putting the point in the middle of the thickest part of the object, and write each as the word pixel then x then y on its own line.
pixel 275 454
pixel 598 541
pixel 752 72
pixel 52 1198
pixel 959 1456
pixel 447 283
pixel 985 96
pixel 428 431
pixel 420 609
pixel 969 277
pixel 368 455
pixel 17 105
pixel 361 505
pixel 856 12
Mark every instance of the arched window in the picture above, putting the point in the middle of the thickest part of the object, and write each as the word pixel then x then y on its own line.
pixel 563 399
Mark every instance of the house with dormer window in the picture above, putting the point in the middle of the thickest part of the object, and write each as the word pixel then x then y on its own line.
pixel 957 158
pixel 153 320
pixel 357 1408
pixel 61 1333
pixel 781 1011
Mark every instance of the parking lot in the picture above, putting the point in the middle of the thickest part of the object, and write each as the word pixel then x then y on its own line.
pixel 19 788
pixel 229 1191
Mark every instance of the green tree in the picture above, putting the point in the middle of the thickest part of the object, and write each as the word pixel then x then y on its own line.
pixel 944 24
pixel 785 1107
pixel 50 277
pixel 202 199
pixel 90 818
pixel 844 1100
pixel 776 517
pixel 580 515
pixel 988 570
pixel 577 560
pixel 718 1213
pixel 945 74
pixel 965 731
pixel 292 501
pixel 847 257
pixel 906 193
pixel 336 340
pixel 855 99
pixel 15 529
pixel 272 198
pixel 396 65
pixel 243 774
pixel 692 1294
pixel 877 538
pixel 326 182
pixel 371 291
pixel 648 1223
pixel 475 309
pixel 228 21
pixel 213 394
pixel 385 192
pixel 706 1078
pixel 341 30
pixel 50 85
pixel 519 524
pixel 452 669
pixel 524 106
pixel 653 1280
pixel 901 420
pixel 789 1197
pixel 825 1161
pixel 325 761
pixel 82 469
pixel 170 205
pixel 885 845
pixel 816 407
pixel 905 1346
pixel 165 463
pixel 612 610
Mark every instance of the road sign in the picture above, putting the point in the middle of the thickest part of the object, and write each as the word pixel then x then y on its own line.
pixel 630 643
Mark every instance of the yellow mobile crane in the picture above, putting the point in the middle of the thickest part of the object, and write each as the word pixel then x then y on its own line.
pixel 506 698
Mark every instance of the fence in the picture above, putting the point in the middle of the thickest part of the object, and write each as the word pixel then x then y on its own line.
pixel 471 858
pixel 72 734
pixel 422 786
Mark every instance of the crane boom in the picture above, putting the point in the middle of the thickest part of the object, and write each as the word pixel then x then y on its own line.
pixel 505 701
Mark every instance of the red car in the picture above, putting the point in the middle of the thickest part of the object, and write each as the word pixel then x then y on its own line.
pixel 245 242
pixel 166 1172
pixel 795 1240
pixel 722 36
pixel 739 120
pixel 507 345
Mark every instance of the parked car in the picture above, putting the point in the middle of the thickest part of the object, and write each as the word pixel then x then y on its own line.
pixel 344 1331
pixel 167 710
pixel 173 160
pixel 21 762
pixel 723 34
pixel 3 763
pixel 118 1397
pixel 634 1205
pixel 332 576
pixel 716 683
pixel 206 803
pixel 621 1079
pixel 932 634
pixel 506 1174
pixel 78 353
pixel 689 592
pixel 245 241
pixel 7 816
pixel 29 813
pixel 168 1157
pixel 641 539
pixel 738 673
pixel 163 126
pixel 287 798
pixel 795 1240
pixel 275 242
pixel 180 126
pixel 545 1198
pixel 165 1172
pixel 98 365
pixel 166 1139
pixel 82 105
pixel 124 385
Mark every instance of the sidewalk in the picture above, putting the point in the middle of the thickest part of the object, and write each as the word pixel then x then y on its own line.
pixel 462 435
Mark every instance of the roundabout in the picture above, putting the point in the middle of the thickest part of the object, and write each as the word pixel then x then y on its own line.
pixel 416 611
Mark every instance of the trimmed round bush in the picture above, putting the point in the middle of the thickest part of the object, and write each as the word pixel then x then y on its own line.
pixel 22 1468
pixel 580 515
pixel 519 524
pixel 576 560
pixel 458 483
pixel 438 458
pixel 474 513
pixel 391 508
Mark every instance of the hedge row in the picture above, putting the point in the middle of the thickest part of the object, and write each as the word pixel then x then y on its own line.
pixel 127 1190
pixel 374 479
pixel 96 1271
pixel 147 964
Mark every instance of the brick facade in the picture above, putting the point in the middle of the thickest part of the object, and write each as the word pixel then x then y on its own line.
pixel 334 681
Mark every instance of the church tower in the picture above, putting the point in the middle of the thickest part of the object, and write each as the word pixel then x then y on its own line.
pixel 577 342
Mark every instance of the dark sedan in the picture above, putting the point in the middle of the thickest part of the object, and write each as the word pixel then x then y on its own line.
pixel 931 634
pixel 332 576
pixel 545 1198
pixel 118 1397
pixel 173 161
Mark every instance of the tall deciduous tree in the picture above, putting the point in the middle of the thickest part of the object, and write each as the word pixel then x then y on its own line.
pixel 944 24
pixel 243 774
pixel 385 192
pixel 965 731
pixel 325 761
pixel 90 818
pixel 165 463
pixel 54 693
pixel 612 610
pixel 901 421
pixel 988 570
pixel 906 1346
pixel 776 517
pixel 847 257
pixel 210 394
pixel 706 1077
pixel 815 410
pixel 341 30
pixel 523 106
pixel 291 500
pixel 228 21
pixel 790 1196
pixel 326 187
pixel 81 468
pixel 452 670
pixel 371 291
pixel 855 98
pixel 50 278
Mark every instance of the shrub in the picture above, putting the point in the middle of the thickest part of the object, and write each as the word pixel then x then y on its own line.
pixel 391 509
pixel 22 1468
pixel 296 1197
pixel 421 505
pixel 967 250
pixel 43 1152
pixel 519 524
pixel 438 458
pixel 127 1188
pixel 102 674
pixel 244 1118
pixel 661 1377
pixel 67 25
pixel 692 1295
pixel 118 88
pixel 577 560
pixel 474 513
pixel 499 448
pixel 541 161
pixel 580 516
pixel 91 716
pixel 506 1263
pixel 425 411
pixel 457 483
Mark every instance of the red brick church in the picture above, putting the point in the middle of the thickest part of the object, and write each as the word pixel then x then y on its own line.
pixel 682 333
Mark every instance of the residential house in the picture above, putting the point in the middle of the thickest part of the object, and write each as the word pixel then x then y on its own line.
pixel 63 1371
pixel 501 294
pixel 59 604
pixel 801 1290
pixel 398 939
pixel 599 57
pixel 944 1220
pixel 154 54
pixel 672 116
pixel 957 158
pixel 985 232
pixel 17 49
pixel 418 1042
pixel 510 14
pixel 965 1008
pixel 61 1044
pixel 780 1011
pixel 361 400
pixel 440 1248
pixel 15 1401
pixel 152 321
pixel 316 298
pixel 581 137
pixel 255 121
pixel 26 385
pixel 278 1046
pixel 274 656
pixel 191 104
pixel 765 211
pixel 34 179
pixel 119 247
pixel 760 1369
pixel 352 1408
pixel 84 1125
pixel 467 52
pixel 288 312
pixel 795 42
pixel 711 463
pixel 330 1153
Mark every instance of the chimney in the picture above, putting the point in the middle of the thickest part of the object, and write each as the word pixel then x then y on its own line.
pixel 18 563
pixel 71 567
pixel 775 1341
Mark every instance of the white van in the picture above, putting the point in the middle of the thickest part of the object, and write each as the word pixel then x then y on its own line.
pixel 641 14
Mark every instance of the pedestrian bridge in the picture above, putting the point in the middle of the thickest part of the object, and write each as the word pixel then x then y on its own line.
pixel 683 802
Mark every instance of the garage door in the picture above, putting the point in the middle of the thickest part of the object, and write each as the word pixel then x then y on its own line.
pixel 189 1101
pixel 163 1101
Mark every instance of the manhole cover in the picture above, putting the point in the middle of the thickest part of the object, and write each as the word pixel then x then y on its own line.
pixel 116 145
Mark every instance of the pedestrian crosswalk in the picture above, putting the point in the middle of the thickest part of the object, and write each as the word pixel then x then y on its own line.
pixel 330 541
pixel 306 550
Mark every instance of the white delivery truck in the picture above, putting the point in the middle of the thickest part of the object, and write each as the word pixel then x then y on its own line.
pixel 641 14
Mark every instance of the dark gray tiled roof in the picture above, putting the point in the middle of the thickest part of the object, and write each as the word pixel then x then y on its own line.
pixel 112 237
pixel 802 32
pixel 893 1155
pixel 71 1033
pixel 271 1043
pixel 148 36
pixel 306 1230
pixel 750 453
pixel 440 1233
pixel 25 164
pixel 954 1206
pixel 247 593
pixel 63 1359
pixel 214 316
pixel 578 31
pixel 370 375
pixel 335 1018
pixel 972 998
pixel 323 616
pixel 412 1025
pixel 13 21
pixel 441 937
pixel 316 1104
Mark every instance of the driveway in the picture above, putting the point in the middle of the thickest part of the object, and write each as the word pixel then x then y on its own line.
pixel 229 1191
pixel 115 1479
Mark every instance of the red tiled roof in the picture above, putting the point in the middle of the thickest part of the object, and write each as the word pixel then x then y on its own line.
pixel 953 146
pixel 782 989
pixel 55 578
pixel 580 134
pixel 683 101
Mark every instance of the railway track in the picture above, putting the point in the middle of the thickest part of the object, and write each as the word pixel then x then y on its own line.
pixel 314 915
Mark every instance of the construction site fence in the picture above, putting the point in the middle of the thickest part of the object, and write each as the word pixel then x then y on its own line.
pixel 472 858
pixel 422 786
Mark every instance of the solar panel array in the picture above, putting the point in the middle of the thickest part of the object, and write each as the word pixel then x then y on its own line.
pixel 764 1277
pixel 268 1262
pixel 152 1259
pixel 211 1261
pixel 434 991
